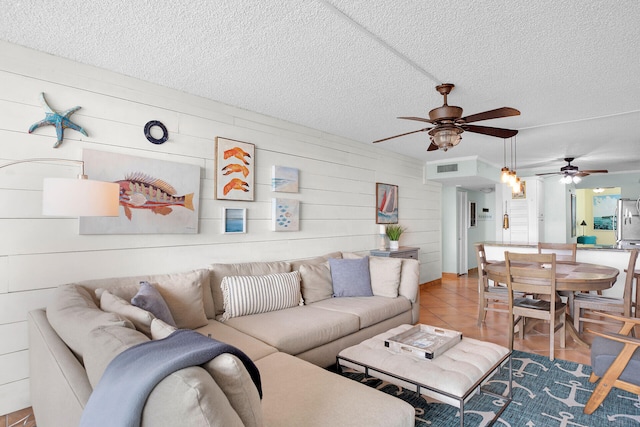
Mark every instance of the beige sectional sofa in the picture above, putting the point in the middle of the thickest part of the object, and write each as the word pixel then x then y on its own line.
pixel 73 341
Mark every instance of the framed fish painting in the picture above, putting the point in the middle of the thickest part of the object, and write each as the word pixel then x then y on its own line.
pixel 235 170
pixel 386 203
pixel 156 196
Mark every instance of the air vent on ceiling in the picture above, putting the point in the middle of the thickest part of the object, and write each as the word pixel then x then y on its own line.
pixel 448 168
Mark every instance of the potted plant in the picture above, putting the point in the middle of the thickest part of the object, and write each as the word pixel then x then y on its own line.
pixel 394 231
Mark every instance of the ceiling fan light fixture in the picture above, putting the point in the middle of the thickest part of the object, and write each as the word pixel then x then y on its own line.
pixel 446 136
pixel 576 179
pixel 566 179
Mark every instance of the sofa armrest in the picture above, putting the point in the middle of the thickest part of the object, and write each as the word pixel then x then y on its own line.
pixel 58 382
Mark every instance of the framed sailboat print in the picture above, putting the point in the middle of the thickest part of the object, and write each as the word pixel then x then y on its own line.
pixel 386 203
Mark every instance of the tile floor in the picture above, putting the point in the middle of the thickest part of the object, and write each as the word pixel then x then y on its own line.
pixel 453 304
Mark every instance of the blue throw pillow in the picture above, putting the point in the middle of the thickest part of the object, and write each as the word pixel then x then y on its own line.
pixel 148 298
pixel 350 277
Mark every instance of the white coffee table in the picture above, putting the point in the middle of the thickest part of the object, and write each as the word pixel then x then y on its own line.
pixel 450 378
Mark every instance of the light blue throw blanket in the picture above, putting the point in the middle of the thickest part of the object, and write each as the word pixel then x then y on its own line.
pixel 121 393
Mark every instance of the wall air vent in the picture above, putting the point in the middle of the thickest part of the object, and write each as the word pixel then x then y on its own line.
pixel 448 168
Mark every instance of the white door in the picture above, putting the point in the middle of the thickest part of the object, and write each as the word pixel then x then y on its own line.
pixel 461 214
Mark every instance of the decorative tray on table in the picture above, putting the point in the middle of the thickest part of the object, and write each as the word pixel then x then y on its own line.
pixel 423 341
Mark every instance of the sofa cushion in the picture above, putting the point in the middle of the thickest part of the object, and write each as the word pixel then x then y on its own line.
pixel 140 318
pixel 297 393
pixel 385 276
pixel 410 279
pixel 126 287
pixel 161 329
pixel 350 277
pixel 252 347
pixel 182 294
pixel 149 298
pixel 315 282
pixel 233 378
pixel 218 271
pixel 73 313
pixel 370 310
pixel 296 264
pixel 244 295
pixel 297 329
pixel 103 344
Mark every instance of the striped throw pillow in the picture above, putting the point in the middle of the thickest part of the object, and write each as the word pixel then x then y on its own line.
pixel 244 295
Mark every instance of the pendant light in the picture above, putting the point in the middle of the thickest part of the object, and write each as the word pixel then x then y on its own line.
pixel 504 172
pixel 516 185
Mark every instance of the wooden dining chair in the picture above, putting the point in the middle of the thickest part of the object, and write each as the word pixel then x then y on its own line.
pixel 491 298
pixel 534 274
pixel 564 251
pixel 615 361
pixel 584 304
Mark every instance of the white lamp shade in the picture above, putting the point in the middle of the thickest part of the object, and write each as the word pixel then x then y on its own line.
pixel 80 197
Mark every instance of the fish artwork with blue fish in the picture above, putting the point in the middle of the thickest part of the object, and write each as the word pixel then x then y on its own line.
pixel 141 191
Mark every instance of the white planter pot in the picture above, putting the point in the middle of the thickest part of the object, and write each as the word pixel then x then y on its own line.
pixel 394 244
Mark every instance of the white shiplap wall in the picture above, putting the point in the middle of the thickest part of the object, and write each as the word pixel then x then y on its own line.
pixel 337 190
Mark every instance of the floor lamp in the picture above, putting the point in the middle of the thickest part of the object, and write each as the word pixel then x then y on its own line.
pixel 583 224
pixel 76 197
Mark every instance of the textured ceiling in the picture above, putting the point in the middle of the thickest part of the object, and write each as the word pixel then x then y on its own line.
pixel 350 67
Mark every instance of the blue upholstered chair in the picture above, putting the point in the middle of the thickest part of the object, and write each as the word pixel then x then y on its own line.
pixel 615 361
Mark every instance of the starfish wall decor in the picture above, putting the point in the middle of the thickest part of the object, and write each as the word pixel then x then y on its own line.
pixel 60 120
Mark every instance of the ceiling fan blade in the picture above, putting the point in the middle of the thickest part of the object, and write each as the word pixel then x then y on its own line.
pixel 549 173
pixel 486 130
pixel 419 119
pixel 582 174
pixel 432 147
pixel 595 171
pixel 402 134
pixel 492 114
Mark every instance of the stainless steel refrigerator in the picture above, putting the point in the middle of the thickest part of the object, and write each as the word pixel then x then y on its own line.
pixel 628 223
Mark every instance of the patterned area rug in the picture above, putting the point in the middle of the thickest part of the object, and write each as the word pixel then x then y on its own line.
pixel 545 393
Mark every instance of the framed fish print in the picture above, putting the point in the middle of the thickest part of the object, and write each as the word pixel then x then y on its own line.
pixel 386 203
pixel 235 170
pixel 234 220
pixel 286 215
pixel 156 196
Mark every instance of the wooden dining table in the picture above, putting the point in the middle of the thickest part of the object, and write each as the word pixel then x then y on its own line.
pixel 570 277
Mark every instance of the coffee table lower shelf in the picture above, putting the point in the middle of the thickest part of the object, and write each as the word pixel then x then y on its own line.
pixel 373 359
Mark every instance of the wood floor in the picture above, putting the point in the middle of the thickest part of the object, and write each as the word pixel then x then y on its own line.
pixel 454 305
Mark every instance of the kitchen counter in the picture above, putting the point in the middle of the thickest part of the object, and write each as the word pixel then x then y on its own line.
pixel 535 246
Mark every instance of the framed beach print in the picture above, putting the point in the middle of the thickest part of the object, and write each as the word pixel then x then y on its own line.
pixel 235 170
pixel 386 203
pixel 156 196
pixel 234 220
pixel 284 179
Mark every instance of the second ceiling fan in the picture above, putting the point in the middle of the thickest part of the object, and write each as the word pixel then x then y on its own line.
pixel 449 123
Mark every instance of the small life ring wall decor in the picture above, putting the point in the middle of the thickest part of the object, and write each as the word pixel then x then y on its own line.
pixel 150 138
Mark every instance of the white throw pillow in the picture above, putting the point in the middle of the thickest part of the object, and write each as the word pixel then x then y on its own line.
pixel 385 276
pixel 160 329
pixel 140 318
pixel 245 295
